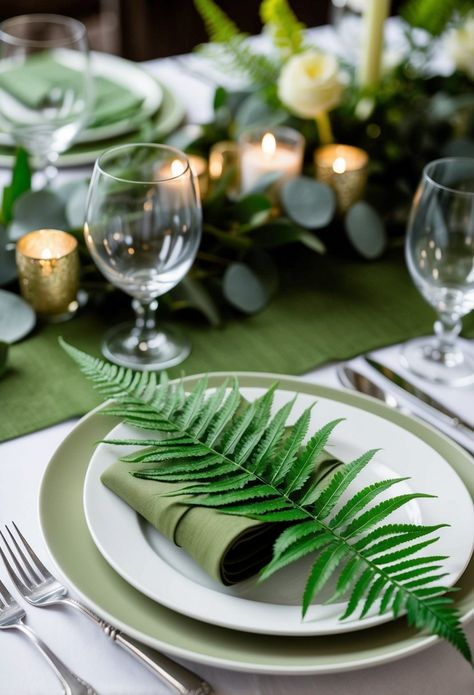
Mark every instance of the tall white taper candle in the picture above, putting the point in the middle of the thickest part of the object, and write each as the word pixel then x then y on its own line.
pixel 375 14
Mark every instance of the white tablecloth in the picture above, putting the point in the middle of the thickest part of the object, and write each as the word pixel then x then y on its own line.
pixel 436 671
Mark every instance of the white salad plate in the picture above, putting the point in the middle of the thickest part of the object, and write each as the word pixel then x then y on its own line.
pixel 163 572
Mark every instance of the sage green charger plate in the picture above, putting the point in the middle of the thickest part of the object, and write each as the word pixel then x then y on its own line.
pixel 167 118
pixel 67 536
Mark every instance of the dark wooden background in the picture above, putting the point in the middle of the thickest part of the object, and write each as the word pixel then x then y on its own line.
pixel 145 29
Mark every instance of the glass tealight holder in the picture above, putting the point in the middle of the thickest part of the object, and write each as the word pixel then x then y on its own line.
pixel 48 271
pixel 344 168
pixel 266 151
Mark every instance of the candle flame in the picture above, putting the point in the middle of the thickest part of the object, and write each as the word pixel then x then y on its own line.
pixel 46 254
pixel 268 145
pixel 216 165
pixel 177 167
pixel 339 165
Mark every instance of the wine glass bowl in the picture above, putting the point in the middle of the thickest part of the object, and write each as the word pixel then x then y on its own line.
pixel 45 84
pixel 440 257
pixel 143 227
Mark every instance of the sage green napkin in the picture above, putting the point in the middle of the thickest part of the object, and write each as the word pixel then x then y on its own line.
pixel 229 548
pixel 34 81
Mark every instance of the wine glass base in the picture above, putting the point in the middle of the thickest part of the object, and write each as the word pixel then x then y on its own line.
pixel 421 356
pixel 166 348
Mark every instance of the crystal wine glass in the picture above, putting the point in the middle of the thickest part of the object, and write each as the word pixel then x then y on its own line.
pixel 45 84
pixel 143 227
pixel 440 256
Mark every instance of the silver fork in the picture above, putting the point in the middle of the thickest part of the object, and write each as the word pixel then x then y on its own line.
pixel 11 617
pixel 40 588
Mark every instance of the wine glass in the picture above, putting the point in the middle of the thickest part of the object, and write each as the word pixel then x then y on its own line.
pixel 440 256
pixel 143 227
pixel 45 84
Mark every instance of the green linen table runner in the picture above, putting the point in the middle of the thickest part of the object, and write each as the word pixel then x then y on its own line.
pixel 33 83
pixel 229 548
pixel 328 308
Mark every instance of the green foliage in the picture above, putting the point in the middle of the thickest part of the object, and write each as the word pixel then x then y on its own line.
pixel 230 48
pixel 286 30
pixel 432 15
pixel 238 458
pixel 20 183
pixel 3 356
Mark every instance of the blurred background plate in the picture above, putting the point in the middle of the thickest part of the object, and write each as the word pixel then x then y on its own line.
pixel 154 129
pixel 127 77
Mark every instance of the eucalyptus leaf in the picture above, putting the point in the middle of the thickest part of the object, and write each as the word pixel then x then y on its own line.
pixel 185 137
pixel 193 294
pixel 244 289
pixel 365 230
pixel 255 111
pixel 265 182
pixel 307 202
pixel 253 209
pixel 282 231
pixel 264 267
pixel 37 210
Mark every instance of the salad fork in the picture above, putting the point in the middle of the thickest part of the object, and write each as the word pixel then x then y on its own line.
pixel 40 588
pixel 11 617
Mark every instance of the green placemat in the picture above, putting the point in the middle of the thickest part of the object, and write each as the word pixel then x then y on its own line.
pixel 327 309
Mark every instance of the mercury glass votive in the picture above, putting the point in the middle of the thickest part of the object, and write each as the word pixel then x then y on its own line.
pixel 344 168
pixel 48 271
pixel 224 160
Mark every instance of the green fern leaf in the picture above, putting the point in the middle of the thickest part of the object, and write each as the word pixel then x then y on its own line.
pixel 286 30
pixel 321 572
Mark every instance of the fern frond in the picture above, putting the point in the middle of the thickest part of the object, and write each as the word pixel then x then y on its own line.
pixel 230 47
pixel 234 457
pixel 286 30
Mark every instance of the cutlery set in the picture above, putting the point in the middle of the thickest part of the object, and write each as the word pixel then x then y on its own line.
pixel 415 401
pixel 41 589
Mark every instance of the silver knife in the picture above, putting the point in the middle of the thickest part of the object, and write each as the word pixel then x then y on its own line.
pixel 351 378
pixel 437 409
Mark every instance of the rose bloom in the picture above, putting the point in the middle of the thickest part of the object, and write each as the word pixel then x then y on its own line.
pixel 310 83
pixel 460 46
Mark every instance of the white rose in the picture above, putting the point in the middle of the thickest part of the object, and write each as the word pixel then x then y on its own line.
pixel 310 83
pixel 460 46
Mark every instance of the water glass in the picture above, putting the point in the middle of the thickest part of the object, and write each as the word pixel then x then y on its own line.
pixel 440 257
pixel 143 227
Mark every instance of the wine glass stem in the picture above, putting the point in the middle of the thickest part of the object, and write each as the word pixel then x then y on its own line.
pixel 447 330
pixel 45 172
pixel 145 323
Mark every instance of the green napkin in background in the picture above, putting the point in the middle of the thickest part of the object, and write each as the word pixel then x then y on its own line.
pixel 229 548
pixel 34 81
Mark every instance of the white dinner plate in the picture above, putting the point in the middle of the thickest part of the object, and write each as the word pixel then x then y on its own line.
pixel 127 74
pixel 163 572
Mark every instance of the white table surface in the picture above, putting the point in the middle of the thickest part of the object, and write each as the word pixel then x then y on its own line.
pixel 438 670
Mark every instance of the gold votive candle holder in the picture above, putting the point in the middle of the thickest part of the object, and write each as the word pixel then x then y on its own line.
pixel 224 160
pixel 48 271
pixel 344 168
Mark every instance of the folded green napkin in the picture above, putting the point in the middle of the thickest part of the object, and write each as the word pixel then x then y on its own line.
pixel 35 80
pixel 229 548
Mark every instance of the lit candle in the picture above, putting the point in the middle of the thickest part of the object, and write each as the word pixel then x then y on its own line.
pixel 280 150
pixel 176 167
pixel 344 168
pixel 375 14
pixel 48 271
